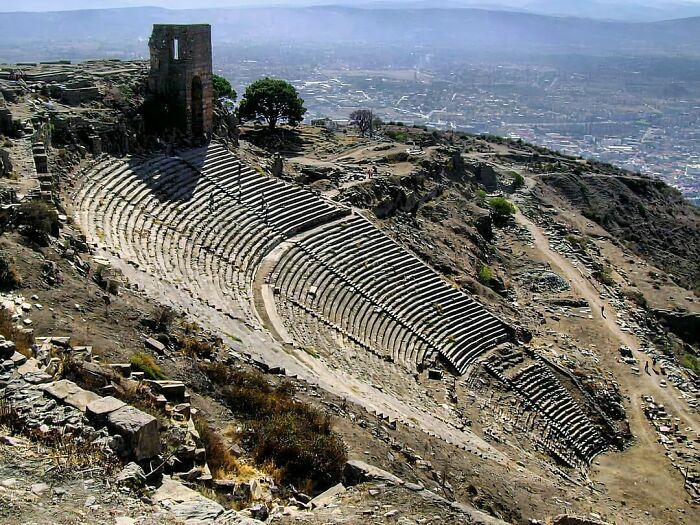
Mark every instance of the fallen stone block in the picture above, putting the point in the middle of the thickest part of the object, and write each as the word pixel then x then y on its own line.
pixel 32 365
pixel 154 345
pixel 172 390
pixel 37 378
pixel 197 510
pixel 139 430
pixel 434 374
pixel 98 410
pixel 327 496
pixel 181 412
pixel 357 471
pixel 18 359
pixel 60 389
pixel 81 400
pixel 132 475
pixel 123 369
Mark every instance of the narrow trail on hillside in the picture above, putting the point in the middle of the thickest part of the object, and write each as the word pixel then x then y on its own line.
pixel 644 465
pixel 637 385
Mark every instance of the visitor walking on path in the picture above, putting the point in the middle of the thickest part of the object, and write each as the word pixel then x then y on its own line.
pixel 602 311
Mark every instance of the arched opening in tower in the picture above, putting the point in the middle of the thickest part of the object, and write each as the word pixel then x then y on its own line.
pixel 197 107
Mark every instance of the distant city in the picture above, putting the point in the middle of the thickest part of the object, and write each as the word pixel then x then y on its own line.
pixel 642 114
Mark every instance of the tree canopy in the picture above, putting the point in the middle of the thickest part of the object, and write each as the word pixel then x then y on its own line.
pixel 272 101
pixel 223 88
pixel 365 121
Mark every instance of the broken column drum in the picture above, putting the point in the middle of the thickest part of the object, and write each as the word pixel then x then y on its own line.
pixel 181 72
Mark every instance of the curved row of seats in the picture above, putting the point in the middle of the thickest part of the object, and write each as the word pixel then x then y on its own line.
pixel 539 387
pixel 204 220
pixel 201 219
pixel 352 274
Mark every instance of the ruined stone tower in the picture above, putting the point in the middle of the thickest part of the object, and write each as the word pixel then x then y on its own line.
pixel 181 71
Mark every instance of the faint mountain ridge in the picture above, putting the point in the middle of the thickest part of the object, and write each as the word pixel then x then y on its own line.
pixel 123 32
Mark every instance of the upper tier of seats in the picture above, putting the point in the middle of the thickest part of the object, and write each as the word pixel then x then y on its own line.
pixel 371 288
pixel 205 220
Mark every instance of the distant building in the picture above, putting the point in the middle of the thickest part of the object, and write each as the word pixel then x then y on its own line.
pixel 692 170
pixel 181 71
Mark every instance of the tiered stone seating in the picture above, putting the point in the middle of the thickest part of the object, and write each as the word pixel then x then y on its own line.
pixel 201 219
pixel 204 221
pixel 385 298
pixel 539 387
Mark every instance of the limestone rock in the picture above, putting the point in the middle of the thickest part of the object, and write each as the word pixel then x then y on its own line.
pixel 132 475
pixel 18 359
pixel 60 389
pixel 357 471
pixel 81 400
pixel 98 410
pixel 139 430
pixel 328 495
pixel 198 509
pixel 155 345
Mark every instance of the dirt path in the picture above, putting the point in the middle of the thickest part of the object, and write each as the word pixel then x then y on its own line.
pixel 642 470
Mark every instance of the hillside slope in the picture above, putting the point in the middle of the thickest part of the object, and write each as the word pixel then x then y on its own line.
pixel 646 214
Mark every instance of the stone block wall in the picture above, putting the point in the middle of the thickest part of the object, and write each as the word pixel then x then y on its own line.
pixel 181 69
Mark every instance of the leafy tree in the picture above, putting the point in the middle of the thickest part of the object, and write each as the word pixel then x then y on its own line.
pixel 365 121
pixel 272 101
pixel 223 88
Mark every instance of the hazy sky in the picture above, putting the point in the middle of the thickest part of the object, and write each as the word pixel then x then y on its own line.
pixel 540 5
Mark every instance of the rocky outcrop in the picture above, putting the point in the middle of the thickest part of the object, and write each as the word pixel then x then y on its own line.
pixel 357 471
pixel 652 218
pixel 566 519
pixel 685 325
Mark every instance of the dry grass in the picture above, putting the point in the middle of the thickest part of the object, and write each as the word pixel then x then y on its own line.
pixel 10 277
pixel 145 363
pixel 70 455
pixel 193 346
pixel 222 463
pixel 294 438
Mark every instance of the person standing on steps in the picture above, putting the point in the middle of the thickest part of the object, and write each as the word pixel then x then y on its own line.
pixel 602 310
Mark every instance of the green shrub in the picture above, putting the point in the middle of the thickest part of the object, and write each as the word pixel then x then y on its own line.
pixel 38 221
pixel 502 209
pixel 518 181
pixel 603 276
pixel 691 362
pixel 637 298
pixel 398 136
pixel 485 274
pixel 577 242
pixel 143 362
